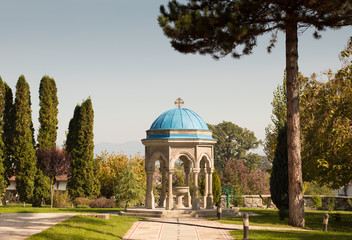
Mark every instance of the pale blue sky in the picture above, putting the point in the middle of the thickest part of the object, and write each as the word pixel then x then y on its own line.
pixel 115 52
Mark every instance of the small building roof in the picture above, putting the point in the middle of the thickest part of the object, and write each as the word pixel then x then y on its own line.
pixel 179 118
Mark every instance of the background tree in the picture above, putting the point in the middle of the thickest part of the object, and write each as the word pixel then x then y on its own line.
pixel 111 170
pixel 83 181
pixel 129 189
pixel 48 112
pixel 109 165
pixel 279 175
pixel 233 142
pixel 278 119
pixel 244 180
pixel 327 136
pixel 218 28
pixel 279 115
pixel 3 182
pixel 8 133
pixel 24 153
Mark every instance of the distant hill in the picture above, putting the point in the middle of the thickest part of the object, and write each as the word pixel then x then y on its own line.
pixel 127 148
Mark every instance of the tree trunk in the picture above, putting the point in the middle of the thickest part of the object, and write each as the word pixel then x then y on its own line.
pixel 296 204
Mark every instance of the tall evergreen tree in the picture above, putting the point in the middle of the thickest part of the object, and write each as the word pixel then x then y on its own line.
pixel 3 182
pixel 48 113
pixel 47 134
pixel 24 153
pixel 8 132
pixel 279 174
pixel 83 181
pixel 219 27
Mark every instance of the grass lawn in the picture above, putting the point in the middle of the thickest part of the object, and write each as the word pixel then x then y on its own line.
pixel 18 208
pixel 83 227
pixel 339 221
pixel 292 235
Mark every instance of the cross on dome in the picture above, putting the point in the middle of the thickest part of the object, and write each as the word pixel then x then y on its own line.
pixel 179 102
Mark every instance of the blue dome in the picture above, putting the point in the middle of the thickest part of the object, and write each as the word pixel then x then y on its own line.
pixel 179 118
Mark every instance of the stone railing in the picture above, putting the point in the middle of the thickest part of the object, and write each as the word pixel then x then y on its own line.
pixel 264 201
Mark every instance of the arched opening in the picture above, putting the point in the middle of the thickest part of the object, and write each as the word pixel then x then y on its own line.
pixel 182 166
pixel 205 182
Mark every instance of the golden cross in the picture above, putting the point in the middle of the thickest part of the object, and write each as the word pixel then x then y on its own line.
pixel 179 102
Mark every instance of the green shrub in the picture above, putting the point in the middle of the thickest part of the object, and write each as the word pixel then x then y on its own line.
pixel 316 201
pixel 216 187
pixel 82 206
pixel 61 199
pixel 331 204
pixel 102 203
pixel 81 201
pixel 238 200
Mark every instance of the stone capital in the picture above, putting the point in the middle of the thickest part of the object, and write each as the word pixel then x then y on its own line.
pixel 195 170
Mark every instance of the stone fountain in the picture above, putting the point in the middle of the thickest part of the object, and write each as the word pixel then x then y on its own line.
pixel 180 192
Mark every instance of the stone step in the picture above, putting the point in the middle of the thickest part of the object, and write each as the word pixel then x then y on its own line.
pixel 184 213
pixel 136 214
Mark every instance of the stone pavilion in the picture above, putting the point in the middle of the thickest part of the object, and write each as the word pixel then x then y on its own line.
pixel 179 134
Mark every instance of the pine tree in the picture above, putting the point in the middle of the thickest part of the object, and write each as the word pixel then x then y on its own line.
pixel 48 113
pixel 130 188
pixel 8 133
pixel 83 181
pixel 220 27
pixel 24 153
pixel 279 175
pixel 3 182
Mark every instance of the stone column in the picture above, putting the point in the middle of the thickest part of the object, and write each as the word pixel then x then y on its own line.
pixel 169 200
pixel 210 202
pixel 162 202
pixel 195 200
pixel 206 187
pixel 188 195
pixel 149 197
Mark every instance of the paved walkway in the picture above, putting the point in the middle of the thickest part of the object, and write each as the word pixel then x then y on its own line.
pixel 187 229
pixel 22 225
pixel 176 229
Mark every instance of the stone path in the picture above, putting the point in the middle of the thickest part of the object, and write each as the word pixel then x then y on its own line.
pixel 22 225
pixel 176 229
pixel 187 229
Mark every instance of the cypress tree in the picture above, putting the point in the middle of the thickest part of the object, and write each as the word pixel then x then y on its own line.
pixel 279 175
pixel 83 181
pixel 24 153
pixel 3 182
pixel 48 113
pixel 8 132
pixel 47 135
pixel 216 186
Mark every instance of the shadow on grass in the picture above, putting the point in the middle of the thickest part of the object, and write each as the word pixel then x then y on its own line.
pixel 338 221
pixel 291 235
